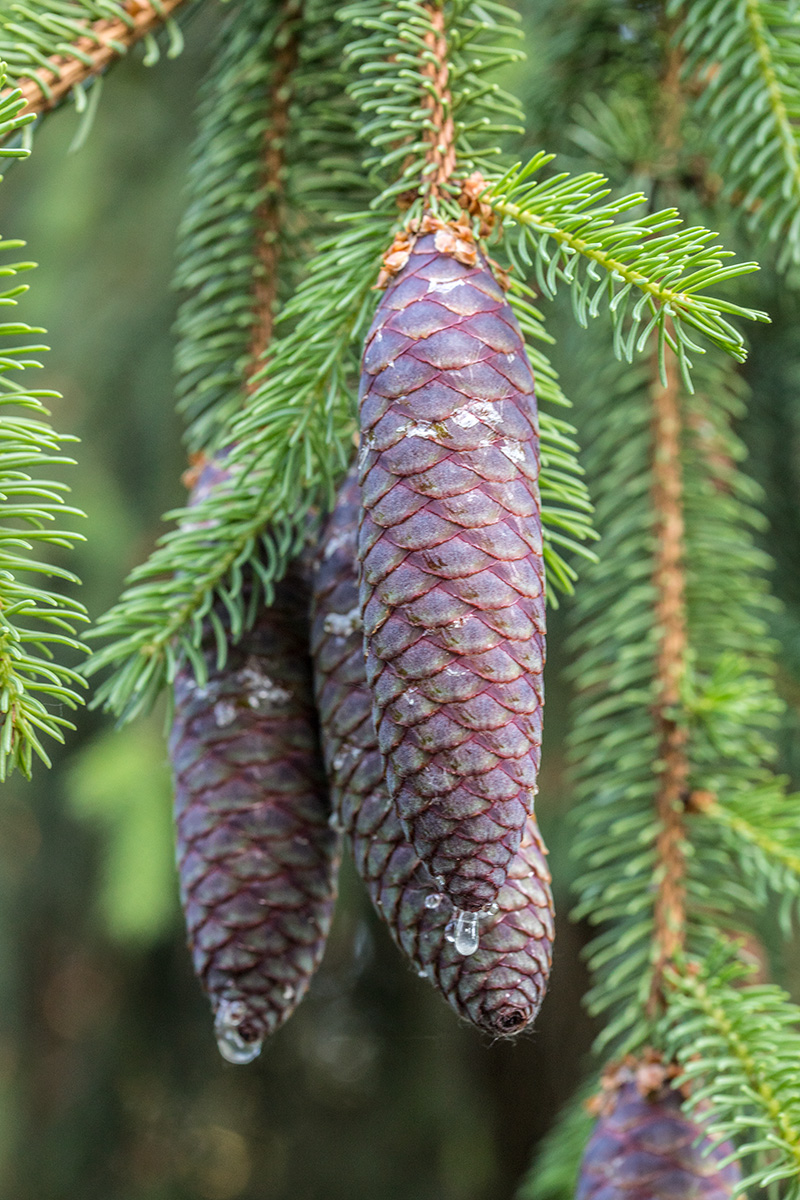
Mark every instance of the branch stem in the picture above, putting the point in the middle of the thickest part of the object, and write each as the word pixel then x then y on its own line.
pixel 670 613
pixel 440 155
pixel 269 214
pixel 104 42
pixel 786 129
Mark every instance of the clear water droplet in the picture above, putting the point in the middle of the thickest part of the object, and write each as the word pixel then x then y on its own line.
pixel 232 1045
pixel 288 992
pixel 336 824
pixel 450 930
pixel 423 972
pixel 492 909
pixel 434 899
pixel 466 932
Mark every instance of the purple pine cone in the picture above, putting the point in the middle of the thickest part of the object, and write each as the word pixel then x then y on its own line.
pixel 452 588
pixel 645 1148
pixel 256 854
pixel 498 981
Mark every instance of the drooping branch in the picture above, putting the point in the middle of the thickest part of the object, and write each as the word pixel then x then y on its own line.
pixel 89 55
pixel 269 212
pixel 669 581
pixel 670 588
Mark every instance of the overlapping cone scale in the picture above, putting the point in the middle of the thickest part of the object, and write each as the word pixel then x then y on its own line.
pixel 256 854
pixel 452 589
pixel 645 1148
pixel 500 986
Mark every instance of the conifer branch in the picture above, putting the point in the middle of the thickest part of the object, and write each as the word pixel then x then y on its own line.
pixel 648 278
pixel 293 440
pixel 291 444
pixel 622 738
pixel 738 1046
pixel 268 215
pixel 669 915
pixel 750 106
pixel 274 144
pixel 424 83
pixel 54 50
pixel 35 620
pixel 761 830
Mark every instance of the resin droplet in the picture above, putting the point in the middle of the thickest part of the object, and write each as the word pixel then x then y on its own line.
pixel 434 899
pixel 237 1042
pixel 466 933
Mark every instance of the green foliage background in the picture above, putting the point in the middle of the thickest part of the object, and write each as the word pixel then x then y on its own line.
pixel 110 1085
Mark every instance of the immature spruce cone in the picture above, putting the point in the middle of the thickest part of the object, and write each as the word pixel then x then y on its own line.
pixel 498 985
pixel 452 585
pixel 644 1148
pixel 256 855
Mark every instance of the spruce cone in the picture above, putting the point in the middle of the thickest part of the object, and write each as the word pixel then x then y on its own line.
pixel 452 588
pixel 256 854
pixel 497 982
pixel 644 1148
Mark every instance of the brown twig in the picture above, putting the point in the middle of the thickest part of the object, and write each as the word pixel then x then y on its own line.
pixel 269 214
pixel 104 42
pixel 670 604
pixel 440 136
pixel 669 583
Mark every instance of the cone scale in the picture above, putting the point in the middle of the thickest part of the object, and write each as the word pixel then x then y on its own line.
pixel 452 582
pixel 645 1148
pixel 494 976
pixel 257 858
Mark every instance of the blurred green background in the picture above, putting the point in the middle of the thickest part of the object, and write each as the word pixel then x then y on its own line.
pixel 111 1087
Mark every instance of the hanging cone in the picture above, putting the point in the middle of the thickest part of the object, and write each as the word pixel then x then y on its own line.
pixel 452 573
pixel 645 1148
pixel 492 968
pixel 256 855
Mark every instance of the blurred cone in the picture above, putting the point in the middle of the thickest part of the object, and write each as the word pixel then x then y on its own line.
pixel 256 855
pixel 645 1148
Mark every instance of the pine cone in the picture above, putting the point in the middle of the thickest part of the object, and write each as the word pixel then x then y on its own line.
pixel 497 982
pixel 645 1148
pixel 452 588
pixel 256 855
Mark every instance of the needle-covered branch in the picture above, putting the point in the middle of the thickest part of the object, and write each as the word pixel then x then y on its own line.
pixel 619 742
pixel 36 622
pixel 426 85
pixel 761 829
pixel 669 586
pixel 738 1046
pixel 744 55
pixel 54 49
pixel 652 274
